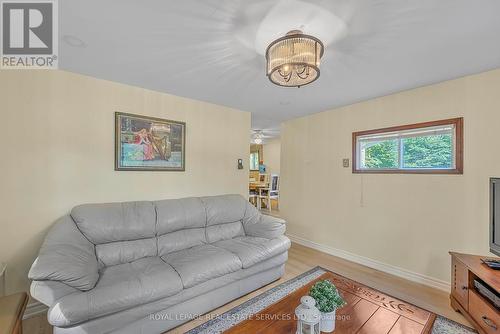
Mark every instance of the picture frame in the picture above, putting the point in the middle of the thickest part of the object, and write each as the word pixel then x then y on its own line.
pixel 144 143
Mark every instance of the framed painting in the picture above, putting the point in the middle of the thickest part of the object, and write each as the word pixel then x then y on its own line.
pixel 149 144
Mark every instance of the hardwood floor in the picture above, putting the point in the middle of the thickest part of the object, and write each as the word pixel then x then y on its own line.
pixel 37 325
pixel 301 259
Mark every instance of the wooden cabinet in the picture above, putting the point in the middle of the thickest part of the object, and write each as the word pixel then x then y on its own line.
pixel 482 314
pixel 460 282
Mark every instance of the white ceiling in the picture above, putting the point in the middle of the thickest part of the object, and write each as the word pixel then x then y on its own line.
pixel 212 50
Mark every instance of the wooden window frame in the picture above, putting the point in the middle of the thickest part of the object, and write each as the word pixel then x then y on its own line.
pixel 459 148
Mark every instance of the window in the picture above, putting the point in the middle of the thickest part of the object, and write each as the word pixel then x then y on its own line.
pixel 254 161
pixel 432 148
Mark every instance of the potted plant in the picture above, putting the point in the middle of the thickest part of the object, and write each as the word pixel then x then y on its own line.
pixel 328 300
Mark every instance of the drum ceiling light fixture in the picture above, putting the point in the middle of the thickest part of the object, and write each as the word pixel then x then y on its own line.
pixel 293 60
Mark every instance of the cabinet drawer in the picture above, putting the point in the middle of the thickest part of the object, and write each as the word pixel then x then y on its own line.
pixel 483 313
pixel 460 283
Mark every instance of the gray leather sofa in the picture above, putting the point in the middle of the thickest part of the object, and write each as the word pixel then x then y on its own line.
pixel 146 267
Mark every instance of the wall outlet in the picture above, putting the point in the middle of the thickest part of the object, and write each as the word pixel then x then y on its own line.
pixel 240 163
pixel 346 163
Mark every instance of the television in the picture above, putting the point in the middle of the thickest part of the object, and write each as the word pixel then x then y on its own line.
pixel 495 216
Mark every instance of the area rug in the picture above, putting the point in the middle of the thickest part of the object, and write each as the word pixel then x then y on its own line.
pixel 244 311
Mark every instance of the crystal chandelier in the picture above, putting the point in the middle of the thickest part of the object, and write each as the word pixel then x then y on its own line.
pixel 293 60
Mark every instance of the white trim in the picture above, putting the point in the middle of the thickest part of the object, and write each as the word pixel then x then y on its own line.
pixel 384 267
pixel 33 309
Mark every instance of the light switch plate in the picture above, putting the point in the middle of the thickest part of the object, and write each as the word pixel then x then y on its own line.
pixel 346 163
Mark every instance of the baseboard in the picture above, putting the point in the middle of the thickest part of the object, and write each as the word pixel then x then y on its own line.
pixel 374 264
pixel 34 309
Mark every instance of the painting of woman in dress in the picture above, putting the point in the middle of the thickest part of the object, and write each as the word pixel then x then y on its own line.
pixel 142 138
pixel 146 143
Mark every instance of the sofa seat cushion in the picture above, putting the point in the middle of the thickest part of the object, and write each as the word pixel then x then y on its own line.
pixel 119 288
pixel 198 264
pixel 252 250
pixel 163 307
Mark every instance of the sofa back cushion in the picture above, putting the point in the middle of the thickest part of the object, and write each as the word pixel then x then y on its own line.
pixel 224 217
pixel 180 224
pixel 122 232
pixel 109 222
pixel 113 253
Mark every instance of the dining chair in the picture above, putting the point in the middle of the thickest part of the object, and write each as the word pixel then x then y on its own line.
pixel 269 193
pixel 253 198
pixel 264 178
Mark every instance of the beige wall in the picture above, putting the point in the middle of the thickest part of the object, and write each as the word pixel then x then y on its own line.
pixel 272 155
pixel 408 221
pixel 58 151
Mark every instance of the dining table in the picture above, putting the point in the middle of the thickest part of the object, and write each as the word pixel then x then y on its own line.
pixel 257 185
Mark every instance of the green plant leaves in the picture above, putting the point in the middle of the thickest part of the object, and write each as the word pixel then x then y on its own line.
pixel 327 296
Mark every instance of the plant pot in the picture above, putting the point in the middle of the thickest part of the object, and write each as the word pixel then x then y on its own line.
pixel 327 324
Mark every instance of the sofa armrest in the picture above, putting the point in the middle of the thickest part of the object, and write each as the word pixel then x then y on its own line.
pixel 48 292
pixel 266 227
pixel 66 256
